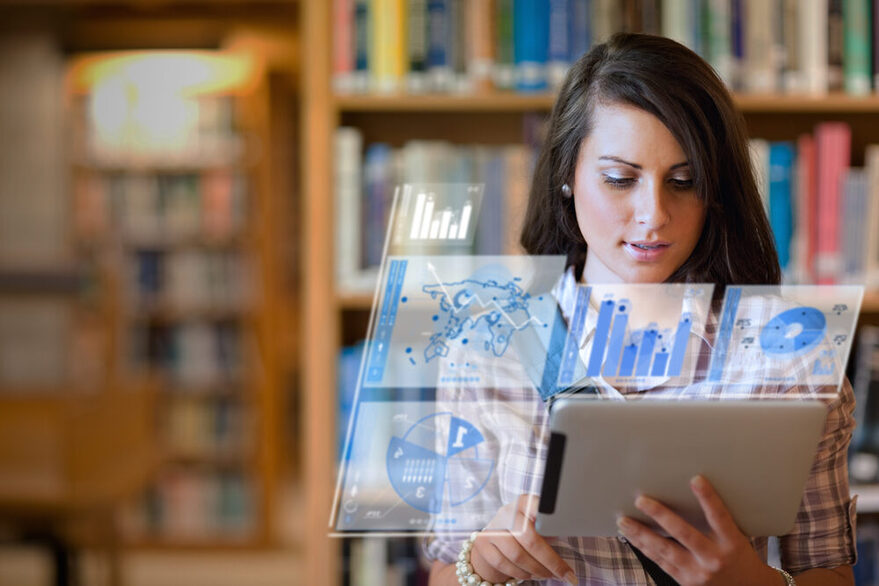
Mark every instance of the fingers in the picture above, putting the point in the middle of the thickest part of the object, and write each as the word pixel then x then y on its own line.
pixel 520 552
pixel 687 535
pixel 670 556
pixel 716 513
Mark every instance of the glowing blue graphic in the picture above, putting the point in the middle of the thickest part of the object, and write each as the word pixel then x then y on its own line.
pixel 639 332
pixel 771 334
pixel 495 310
pixel 445 320
pixel 421 476
pixel 793 331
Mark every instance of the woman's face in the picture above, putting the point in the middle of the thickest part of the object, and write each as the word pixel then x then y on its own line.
pixel 635 200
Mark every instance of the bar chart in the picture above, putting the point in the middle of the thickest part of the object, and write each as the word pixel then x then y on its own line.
pixel 635 341
pixel 437 216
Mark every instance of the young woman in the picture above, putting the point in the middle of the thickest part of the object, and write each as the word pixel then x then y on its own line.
pixel 645 177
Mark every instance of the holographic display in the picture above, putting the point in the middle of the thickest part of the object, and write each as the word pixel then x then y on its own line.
pixel 419 466
pixel 446 320
pixel 786 335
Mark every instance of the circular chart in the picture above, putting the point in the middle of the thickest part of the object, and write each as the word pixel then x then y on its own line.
pixel 793 331
pixel 436 464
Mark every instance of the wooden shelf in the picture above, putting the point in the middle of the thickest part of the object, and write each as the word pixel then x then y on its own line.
pixel 522 102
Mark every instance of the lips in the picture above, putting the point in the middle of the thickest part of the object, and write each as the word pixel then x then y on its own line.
pixel 645 250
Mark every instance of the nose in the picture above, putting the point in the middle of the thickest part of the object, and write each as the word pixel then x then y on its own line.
pixel 651 205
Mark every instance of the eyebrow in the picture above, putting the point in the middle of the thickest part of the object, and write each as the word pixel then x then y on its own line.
pixel 636 165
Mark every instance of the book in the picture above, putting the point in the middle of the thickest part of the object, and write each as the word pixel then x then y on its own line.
pixel 791 67
pixel 833 148
pixel 853 215
pixel 856 46
pixel 416 38
pixel 835 45
pixel 439 63
pixel 386 45
pixel 806 207
pixel 480 44
pixel 530 44
pixel 719 42
pixel 343 45
pixel 781 174
pixel 559 51
pixel 362 31
pixel 579 29
pixel 813 31
pixel 347 201
pixel 503 72
pixel 759 59
pixel 871 164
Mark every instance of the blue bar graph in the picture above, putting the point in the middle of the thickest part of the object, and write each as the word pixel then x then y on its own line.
pixel 682 336
pixel 718 358
pixel 645 355
pixel 659 363
pixel 605 315
pixel 628 363
pixel 616 339
pixel 572 344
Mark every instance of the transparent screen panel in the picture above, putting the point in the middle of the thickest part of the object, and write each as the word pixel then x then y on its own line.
pixel 460 320
pixel 788 335
pixel 432 466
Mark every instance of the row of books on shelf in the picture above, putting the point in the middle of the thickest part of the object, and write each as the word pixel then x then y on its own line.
pixel 157 209
pixel 470 45
pixel 823 211
pixel 188 503
pixel 192 356
pixel 132 126
pixel 215 429
pixel 190 280
pixel 364 189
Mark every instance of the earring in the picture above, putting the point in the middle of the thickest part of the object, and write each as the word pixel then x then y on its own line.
pixel 566 191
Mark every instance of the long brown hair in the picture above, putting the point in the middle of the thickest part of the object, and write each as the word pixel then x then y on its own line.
pixel 666 79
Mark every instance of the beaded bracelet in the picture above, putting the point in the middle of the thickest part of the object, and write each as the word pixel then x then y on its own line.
pixel 464 569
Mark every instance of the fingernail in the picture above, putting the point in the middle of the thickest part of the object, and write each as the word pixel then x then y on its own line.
pixel 643 503
pixel 698 483
pixel 571 578
pixel 625 524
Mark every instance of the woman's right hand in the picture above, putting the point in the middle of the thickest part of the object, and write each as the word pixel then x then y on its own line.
pixel 510 547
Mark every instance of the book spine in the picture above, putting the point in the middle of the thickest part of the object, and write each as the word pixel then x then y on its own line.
pixel 781 170
pixel 650 17
pixel 792 75
pixel 875 44
pixel 853 213
pixel 630 21
pixel 813 45
pixel 439 65
pixel 387 45
pixel 579 29
pixel 835 45
pixel 343 45
pixel 805 209
pixel 457 45
pixel 361 31
pixel 833 145
pixel 698 27
pixel 676 22
pixel 759 70
pixel 871 164
pixel 348 148
pixel 856 58
pixel 416 35
pixel 480 46
pixel 719 39
pixel 559 42
pixel 606 18
pixel 530 44
pixel 504 68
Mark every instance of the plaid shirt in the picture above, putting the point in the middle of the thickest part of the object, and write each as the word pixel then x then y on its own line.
pixel 823 535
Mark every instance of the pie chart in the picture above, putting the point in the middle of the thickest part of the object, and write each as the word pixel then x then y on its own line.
pixel 793 331
pixel 436 464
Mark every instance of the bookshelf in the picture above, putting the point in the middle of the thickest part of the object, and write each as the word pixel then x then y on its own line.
pixel 179 218
pixel 493 117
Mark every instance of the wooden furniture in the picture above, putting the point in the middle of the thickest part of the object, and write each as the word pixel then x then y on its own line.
pixel 69 460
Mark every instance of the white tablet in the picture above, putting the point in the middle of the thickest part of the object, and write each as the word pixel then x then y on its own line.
pixel 603 454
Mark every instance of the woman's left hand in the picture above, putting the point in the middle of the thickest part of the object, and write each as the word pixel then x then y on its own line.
pixel 723 556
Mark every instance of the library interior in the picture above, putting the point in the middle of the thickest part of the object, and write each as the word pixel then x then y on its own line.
pixel 194 197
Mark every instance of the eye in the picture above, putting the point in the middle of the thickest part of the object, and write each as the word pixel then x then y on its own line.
pixel 681 184
pixel 619 182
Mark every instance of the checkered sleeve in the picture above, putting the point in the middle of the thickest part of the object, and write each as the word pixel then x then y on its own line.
pixel 824 532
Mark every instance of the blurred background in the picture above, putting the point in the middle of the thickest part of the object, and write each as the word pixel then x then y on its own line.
pixel 193 197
